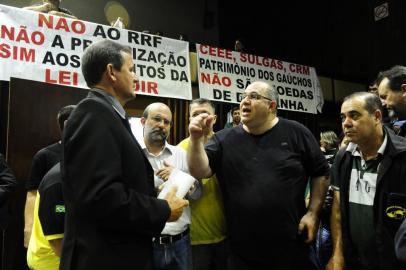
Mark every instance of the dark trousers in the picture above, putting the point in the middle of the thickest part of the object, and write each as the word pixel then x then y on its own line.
pixel 283 257
pixel 210 256
pixel 173 256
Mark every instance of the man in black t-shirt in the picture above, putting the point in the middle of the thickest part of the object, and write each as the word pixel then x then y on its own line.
pixel 42 162
pixel 262 168
pixel 45 246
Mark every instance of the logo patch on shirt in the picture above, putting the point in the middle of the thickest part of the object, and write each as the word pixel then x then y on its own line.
pixel 396 212
pixel 59 208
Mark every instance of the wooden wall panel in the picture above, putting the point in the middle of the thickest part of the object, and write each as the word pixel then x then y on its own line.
pixel 32 125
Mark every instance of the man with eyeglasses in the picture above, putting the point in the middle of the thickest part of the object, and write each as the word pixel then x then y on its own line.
pixel 262 168
pixel 368 178
pixel 171 250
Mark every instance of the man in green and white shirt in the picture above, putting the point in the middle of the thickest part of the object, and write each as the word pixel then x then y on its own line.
pixel 369 192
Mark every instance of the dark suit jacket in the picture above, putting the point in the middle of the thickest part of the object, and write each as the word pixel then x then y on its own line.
pixel 8 184
pixel 400 244
pixel 108 186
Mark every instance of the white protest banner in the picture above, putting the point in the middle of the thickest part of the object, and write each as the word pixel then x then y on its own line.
pixel 223 76
pixel 46 48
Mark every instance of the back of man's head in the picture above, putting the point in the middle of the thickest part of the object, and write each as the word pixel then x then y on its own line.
pixel 64 114
pixel 396 76
pixel 98 55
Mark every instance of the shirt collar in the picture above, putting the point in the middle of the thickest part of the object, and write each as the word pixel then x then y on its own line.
pixel 167 148
pixel 113 101
pixel 353 147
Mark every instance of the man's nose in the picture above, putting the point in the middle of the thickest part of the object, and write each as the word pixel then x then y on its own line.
pixel 161 124
pixel 347 122
pixel 245 101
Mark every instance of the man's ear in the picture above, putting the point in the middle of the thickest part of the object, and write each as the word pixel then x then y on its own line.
pixel 111 72
pixel 143 120
pixel 378 115
pixel 272 105
pixel 403 89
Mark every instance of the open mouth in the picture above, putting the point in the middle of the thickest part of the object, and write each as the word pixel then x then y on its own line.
pixel 245 111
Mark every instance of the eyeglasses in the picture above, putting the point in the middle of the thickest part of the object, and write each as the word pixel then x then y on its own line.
pixel 158 119
pixel 254 96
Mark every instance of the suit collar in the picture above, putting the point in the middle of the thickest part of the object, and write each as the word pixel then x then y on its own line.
pixel 112 101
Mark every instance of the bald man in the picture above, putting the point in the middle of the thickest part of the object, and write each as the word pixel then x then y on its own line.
pixel 263 167
pixel 171 250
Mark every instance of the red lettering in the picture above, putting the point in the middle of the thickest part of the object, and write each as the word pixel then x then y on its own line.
pixel 75 78
pixel 146 87
pixel 203 49
pixel 63 77
pixel 217 52
pixel 212 51
pixel 205 78
pixel 62 24
pixel 48 20
pixel 77 26
pixel 17 53
pixel 152 86
pixel 4 51
pixel 7 32
pixel 48 76
pixel 243 57
pixel 27 55
pixel 215 79
pixel 299 69
pixel 229 54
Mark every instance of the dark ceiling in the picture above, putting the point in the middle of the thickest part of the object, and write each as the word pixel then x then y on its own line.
pixel 340 39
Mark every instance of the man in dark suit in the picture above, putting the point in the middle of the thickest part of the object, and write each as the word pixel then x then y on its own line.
pixel 112 211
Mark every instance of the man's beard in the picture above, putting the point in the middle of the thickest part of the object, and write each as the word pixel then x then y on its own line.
pixel 157 137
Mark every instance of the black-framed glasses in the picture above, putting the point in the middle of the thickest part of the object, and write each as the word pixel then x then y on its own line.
pixel 158 119
pixel 254 96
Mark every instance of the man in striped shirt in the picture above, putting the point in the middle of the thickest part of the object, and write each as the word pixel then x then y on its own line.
pixel 370 196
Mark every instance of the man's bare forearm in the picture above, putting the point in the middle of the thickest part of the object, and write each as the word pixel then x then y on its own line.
pixel 29 215
pixel 319 186
pixel 198 161
pixel 336 233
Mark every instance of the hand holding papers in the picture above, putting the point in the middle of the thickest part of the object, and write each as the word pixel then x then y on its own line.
pixel 180 179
